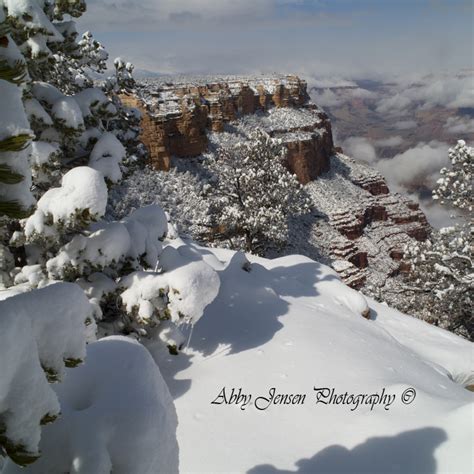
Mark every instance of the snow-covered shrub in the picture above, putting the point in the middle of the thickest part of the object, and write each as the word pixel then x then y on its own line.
pixel 455 184
pixel 177 294
pixel 181 194
pixel 253 194
pixel 441 281
pixel 107 155
pixel 116 247
pixel 41 332
pixel 80 200
pixel 117 415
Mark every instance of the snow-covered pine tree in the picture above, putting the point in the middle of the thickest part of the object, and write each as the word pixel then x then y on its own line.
pixel 16 199
pixel 253 194
pixel 441 281
pixel 72 135
pixel 455 185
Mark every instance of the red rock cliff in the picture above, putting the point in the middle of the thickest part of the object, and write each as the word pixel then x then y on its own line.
pixel 177 116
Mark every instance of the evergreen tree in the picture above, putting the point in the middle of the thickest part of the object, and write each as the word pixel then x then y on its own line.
pixel 253 194
pixel 441 281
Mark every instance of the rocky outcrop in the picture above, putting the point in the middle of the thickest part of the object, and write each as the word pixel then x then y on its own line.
pixel 177 117
pixel 308 155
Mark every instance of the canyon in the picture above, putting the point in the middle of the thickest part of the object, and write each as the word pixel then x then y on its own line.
pixel 358 226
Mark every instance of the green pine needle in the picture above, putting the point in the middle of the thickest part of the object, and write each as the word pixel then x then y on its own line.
pixel 14 209
pixel 4 29
pixel 16 73
pixel 15 143
pixel 8 176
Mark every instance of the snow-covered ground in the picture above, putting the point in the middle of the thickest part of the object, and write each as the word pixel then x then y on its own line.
pixel 289 325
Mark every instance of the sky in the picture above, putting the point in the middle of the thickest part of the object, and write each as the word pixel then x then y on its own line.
pixel 356 39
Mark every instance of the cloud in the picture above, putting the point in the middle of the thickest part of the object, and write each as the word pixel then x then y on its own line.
pixel 335 91
pixel 320 38
pixel 360 148
pixel 459 125
pixel 121 12
pixel 451 91
pixel 416 166
pixel 409 171
pixel 394 105
pixel 327 98
pixel 363 93
pixel 405 124
pixel 330 82
pixel 438 216
pixel 389 142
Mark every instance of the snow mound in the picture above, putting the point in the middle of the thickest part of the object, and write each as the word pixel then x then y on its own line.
pixel 40 331
pixel 58 314
pixel 117 414
pixel 107 155
pixel 82 195
pixel 147 226
pixel 187 288
pixel 107 244
pixel 135 240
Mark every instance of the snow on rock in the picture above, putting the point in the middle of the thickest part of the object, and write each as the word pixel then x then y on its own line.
pixel 107 155
pixel 117 414
pixel 83 193
pixel 287 325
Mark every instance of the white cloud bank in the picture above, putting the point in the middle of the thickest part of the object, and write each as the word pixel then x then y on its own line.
pixel 389 142
pixel 407 171
pixel 416 166
pixel 459 125
pixel 360 148
pixel 450 91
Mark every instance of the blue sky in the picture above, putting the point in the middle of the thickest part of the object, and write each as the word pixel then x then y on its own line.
pixel 358 38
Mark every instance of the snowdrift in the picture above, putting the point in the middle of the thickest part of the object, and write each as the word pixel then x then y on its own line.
pixel 278 330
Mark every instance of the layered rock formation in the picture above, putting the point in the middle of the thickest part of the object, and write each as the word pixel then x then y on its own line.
pixel 178 115
pixel 360 228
